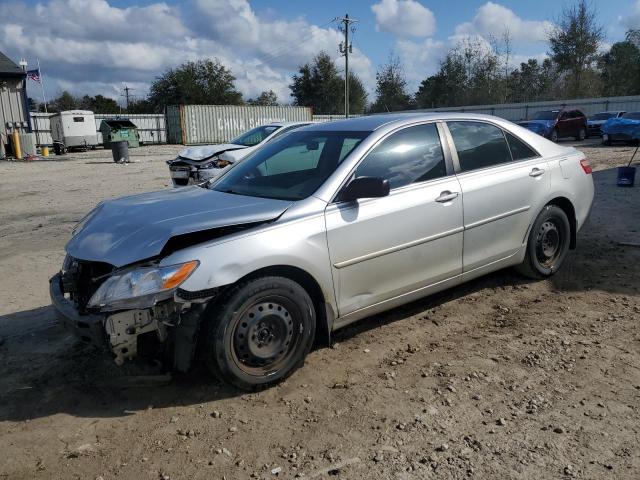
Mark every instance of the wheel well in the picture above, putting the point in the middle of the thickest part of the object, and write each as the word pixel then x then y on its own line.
pixel 306 280
pixel 566 205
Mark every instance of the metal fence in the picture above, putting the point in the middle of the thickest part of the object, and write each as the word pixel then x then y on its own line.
pixel 150 126
pixel 522 111
pixel 202 124
pixel 331 118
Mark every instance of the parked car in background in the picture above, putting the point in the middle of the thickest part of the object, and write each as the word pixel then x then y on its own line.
pixel 623 129
pixel 319 228
pixel 204 162
pixel 556 124
pixel 595 122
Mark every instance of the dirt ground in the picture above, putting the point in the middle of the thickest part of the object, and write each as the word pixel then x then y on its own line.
pixel 499 378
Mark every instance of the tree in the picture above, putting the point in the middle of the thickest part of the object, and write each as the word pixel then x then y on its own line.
pixel 357 94
pixel 65 101
pixel 533 81
pixel 620 68
pixel 266 98
pixel 319 86
pixel 574 43
pixel 141 106
pixel 99 104
pixel 391 88
pixel 204 82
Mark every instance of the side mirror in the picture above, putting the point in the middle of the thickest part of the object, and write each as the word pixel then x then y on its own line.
pixel 365 187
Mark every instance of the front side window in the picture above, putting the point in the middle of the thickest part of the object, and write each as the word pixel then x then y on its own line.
pixel 479 145
pixel 255 136
pixel 291 167
pixel 412 155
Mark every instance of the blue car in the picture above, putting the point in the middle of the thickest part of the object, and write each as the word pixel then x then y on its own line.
pixel 595 122
pixel 555 124
pixel 623 129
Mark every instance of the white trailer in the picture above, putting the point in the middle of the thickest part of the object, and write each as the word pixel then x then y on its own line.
pixel 74 129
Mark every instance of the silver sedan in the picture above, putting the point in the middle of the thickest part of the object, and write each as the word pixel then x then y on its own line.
pixel 330 224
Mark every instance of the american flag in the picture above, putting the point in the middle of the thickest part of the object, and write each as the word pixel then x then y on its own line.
pixel 34 75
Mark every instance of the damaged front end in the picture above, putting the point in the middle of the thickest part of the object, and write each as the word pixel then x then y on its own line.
pixel 132 311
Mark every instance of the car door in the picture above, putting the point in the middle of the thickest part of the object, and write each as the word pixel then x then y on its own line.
pixel 381 248
pixel 504 184
pixel 564 124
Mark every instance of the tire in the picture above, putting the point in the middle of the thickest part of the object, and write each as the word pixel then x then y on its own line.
pixel 547 245
pixel 606 143
pixel 582 134
pixel 554 136
pixel 259 333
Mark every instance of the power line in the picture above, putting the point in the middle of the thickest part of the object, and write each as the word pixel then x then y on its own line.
pixel 345 49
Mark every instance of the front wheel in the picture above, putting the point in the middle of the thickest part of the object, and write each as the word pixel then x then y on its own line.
pixel 260 332
pixel 547 245
pixel 582 134
pixel 554 135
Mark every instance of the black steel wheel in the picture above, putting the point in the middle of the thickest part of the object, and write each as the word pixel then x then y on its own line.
pixel 260 332
pixel 548 243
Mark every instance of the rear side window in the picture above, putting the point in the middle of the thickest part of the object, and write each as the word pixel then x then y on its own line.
pixel 412 155
pixel 519 149
pixel 479 145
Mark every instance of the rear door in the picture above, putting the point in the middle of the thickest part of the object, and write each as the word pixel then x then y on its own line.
pixel 381 248
pixel 504 183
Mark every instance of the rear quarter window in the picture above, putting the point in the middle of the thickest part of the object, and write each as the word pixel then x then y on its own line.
pixel 479 145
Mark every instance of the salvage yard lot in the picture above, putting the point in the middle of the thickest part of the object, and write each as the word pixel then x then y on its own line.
pixel 500 378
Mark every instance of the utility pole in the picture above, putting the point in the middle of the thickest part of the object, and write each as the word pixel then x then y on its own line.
pixel 126 94
pixel 345 49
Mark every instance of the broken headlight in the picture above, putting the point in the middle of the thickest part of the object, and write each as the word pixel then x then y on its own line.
pixel 142 287
pixel 217 163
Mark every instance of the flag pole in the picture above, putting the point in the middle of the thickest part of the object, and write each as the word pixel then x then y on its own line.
pixel 44 100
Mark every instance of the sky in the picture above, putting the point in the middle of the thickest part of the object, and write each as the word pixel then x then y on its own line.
pixel 97 46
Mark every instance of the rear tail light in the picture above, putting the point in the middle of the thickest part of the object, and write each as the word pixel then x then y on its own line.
pixel 585 166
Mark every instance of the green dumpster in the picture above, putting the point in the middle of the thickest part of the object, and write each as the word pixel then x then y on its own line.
pixel 119 129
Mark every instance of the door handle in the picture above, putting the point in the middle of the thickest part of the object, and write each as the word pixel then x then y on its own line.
pixel 536 172
pixel 446 196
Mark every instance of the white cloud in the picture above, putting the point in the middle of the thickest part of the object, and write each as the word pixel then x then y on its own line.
pixel 404 18
pixel 632 20
pixel 420 59
pixel 492 19
pixel 90 46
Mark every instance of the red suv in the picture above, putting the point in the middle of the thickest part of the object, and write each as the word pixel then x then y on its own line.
pixel 555 124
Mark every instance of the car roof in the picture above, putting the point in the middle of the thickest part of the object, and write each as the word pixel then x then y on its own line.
pixel 374 122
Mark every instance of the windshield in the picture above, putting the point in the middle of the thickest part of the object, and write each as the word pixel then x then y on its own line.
pixel 632 115
pixel 292 167
pixel 255 136
pixel 545 115
pixel 602 116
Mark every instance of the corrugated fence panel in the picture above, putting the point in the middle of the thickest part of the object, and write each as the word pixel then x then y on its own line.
pixel 203 124
pixel 151 126
pixel 522 111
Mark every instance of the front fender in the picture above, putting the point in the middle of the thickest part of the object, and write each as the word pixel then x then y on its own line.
pixel 300 243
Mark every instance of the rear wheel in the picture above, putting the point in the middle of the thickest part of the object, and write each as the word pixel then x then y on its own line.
pixel 582 134
pixel 260 332
pixel 547 245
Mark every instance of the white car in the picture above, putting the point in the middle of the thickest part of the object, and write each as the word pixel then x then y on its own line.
pixel 201 163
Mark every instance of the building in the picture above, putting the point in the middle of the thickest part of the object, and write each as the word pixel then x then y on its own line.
pixel 14 112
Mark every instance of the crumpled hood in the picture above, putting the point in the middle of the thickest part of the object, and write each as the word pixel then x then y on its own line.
pixel 537 124
pixel 202 152
pixel 135 228
pixel 622 125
